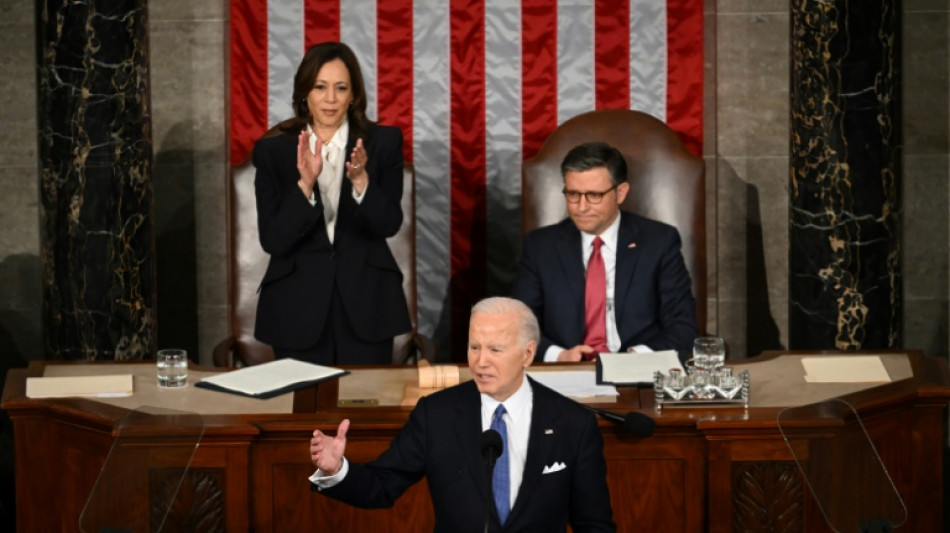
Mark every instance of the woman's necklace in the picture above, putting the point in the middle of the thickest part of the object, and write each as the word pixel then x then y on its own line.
pixel 325 139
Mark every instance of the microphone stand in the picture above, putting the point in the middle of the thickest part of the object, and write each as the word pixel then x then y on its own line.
pixel 636 424
pixel 491 490
pixel 491 445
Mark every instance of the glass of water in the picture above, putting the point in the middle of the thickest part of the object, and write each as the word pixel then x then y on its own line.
pixel 709 353
pixel 172 367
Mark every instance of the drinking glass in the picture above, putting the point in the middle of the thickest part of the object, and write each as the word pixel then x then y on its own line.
pixel 727 380
pixel 676 378
pixel 709 353
pixel 172 368
pixel 701 384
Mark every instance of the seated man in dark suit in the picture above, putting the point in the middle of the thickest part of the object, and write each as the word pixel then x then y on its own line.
pixel 551 471
pixel 605 280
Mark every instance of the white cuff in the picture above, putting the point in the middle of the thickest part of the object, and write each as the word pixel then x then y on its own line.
pixel 552 353
pixel 359 197
pixel 323 481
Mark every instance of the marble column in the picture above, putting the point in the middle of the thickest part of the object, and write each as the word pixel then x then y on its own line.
pixel 95 153
pixel 845 286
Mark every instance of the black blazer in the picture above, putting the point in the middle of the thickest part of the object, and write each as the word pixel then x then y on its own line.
pixel 304 267
pixel 441 441
pixel 653 298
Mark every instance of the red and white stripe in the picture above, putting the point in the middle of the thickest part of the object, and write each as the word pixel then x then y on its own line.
pixel 476 86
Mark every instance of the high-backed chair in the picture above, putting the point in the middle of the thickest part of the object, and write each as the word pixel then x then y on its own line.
pixel 667 182
pixel 247 262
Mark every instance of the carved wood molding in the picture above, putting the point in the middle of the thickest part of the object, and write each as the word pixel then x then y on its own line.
pixel 767 497
pixel 198 504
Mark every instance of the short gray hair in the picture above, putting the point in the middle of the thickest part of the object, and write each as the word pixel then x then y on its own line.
pixel 500 305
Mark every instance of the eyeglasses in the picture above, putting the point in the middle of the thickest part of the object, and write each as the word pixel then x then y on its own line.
pixel 592 197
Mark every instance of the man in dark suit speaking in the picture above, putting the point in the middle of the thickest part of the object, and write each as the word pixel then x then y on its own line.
pixel 603 280
pixel 551 470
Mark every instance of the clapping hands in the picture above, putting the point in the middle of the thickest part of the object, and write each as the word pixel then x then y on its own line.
pixel 356 167
pixel 309 164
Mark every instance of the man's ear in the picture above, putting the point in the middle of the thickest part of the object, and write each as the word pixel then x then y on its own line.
pixel 622 191
pixel 529 351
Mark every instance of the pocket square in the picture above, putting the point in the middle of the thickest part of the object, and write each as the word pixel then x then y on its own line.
pixel 555 467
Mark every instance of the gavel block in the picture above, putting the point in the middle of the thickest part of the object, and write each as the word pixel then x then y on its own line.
pixel 431 378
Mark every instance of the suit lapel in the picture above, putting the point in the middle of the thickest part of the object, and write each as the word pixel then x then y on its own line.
pixel 569 255
pixel 346 203
pixel 468 429
pixel 627 254
pixel 540 447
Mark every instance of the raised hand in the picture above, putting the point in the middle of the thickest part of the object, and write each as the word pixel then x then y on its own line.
pixel 309 164
pixel 326 452
pixel 356 167
pixel 575 354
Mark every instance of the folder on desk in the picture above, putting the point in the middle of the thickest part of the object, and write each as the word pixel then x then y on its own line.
pixel 634 368
pixel 270 379
pixel 111 386
pixel 845 369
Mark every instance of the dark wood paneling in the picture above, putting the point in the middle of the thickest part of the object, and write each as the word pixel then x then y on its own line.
pixel 704 469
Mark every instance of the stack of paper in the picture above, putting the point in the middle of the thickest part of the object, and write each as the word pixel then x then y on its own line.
pixel 845 369
pixel 270 379
pixel 635 368
pixel 573 383
pixel 91 386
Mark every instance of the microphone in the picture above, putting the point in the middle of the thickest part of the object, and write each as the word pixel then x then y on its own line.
pixel 636 424
pixel 492 448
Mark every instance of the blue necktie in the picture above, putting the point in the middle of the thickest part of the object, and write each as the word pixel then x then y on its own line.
pixel 500 482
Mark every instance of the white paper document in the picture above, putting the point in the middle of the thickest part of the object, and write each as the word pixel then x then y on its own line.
pixel 573 383
pixel 845 369
pixel 621 368
pixel 276 376
pixel 91 386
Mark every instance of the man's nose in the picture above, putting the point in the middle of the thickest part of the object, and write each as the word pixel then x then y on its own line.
pixel 480 359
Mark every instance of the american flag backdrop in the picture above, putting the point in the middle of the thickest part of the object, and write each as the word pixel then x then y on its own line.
pixel 476 86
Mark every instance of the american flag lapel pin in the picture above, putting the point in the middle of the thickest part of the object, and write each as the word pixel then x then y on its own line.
pixel 632 245
pixel 549 432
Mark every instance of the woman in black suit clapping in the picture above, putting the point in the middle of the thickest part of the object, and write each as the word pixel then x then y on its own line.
pixel 328 195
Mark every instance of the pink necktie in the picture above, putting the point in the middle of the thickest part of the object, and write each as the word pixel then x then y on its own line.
pixel 595 301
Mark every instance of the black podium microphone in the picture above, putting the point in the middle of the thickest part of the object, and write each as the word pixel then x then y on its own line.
pixel 636 424
pixel 492 448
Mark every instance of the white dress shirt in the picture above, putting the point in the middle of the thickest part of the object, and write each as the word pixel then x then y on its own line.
pixel 518 424
pixel 331 175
